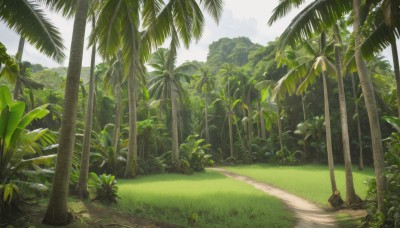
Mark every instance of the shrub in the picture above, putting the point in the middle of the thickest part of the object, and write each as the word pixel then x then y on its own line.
pixel 390 216
pixel 194 152
pixel 104 187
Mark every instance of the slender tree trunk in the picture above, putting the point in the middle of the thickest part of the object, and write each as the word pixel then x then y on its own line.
pixel 175 139
pixel 206 118
pixel 305 148
pixel 57 211
pixel 250 125
pixel 230 133
pixel 351 196
pixel 396 72
pixel 131 163
pixel 372 110
pixel 262 121
pixel 117 122
pixel 279 123
pixel 328 136
pixel 20 52
pixel 360 145
pixel 82 191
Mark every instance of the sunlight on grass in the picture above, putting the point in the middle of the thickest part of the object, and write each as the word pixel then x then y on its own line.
pixel 310 182
pixel 205 199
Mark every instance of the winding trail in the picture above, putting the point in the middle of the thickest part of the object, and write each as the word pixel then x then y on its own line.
pixel 307 214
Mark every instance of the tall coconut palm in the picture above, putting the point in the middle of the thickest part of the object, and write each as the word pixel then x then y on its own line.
pixel 166 84
pixel 370 102
pixel 82 188
pixel 114 77
pixel 314 65
pixel 204 84
pixel 57 211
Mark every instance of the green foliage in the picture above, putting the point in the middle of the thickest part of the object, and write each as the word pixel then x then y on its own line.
pixel 287 157
pixel 390 215
pixel 193 150
pixel 103 156
pixel 104 187
pixel 8 61
pixel 20 148
pixel 152 165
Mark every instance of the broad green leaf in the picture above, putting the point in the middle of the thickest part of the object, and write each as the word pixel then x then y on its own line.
pixel 5 96
pixel 37 113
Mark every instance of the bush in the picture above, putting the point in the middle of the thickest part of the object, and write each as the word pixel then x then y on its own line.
pixel 153 165
pixel 104 187
pixel 390 216
pixel 194 152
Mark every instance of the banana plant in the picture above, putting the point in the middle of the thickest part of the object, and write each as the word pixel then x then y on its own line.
pixel 20 148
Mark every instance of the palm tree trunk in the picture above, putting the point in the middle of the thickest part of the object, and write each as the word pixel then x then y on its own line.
pixel 351 196
pixel 131 163
pixel 249 123
pixel 82 191
pixel 117 123
pixel 230 134
pixel 279 123
pixel 206 118
pixel 396 72
pixel 175 139
pixel 57 211
pixel 360 146
pixel 305 147
pixel 370 103
pixel 17 87
pixel 328 136
pixel 262 121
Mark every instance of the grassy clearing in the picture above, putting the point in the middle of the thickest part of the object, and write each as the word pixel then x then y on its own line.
pixel 204 200
pixel 310 182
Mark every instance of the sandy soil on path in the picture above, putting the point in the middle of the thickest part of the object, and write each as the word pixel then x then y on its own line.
pixel 307 214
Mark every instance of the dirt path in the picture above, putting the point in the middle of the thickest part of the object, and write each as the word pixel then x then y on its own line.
pixel 307 213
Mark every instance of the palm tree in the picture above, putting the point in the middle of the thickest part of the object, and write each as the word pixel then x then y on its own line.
pixel 166 84
pixel 57 211
pixel 82 188
pixel 368 92
pixel 314 65
pixel 204 84
pixel 114 76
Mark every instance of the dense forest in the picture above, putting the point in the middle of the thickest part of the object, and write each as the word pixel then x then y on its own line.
pixel 319 94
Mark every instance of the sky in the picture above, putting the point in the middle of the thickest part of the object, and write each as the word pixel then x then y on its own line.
pixel 240 18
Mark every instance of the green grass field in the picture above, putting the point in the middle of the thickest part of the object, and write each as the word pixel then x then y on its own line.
pixel 204 200
pixel 310 181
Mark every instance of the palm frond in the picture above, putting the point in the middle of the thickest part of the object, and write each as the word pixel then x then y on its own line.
pixel 283 8
pixel 314 18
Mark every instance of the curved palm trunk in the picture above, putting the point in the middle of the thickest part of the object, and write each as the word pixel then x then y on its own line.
pixel 82 191
pixel 206 118
pixel 57 211
pixel 17 87
pixel 117 123
pixel 175 139
pixel 396 72
pixel 360 146
pixel 131 163
pixel 328 136
pixel 351 196
pixel 370 103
